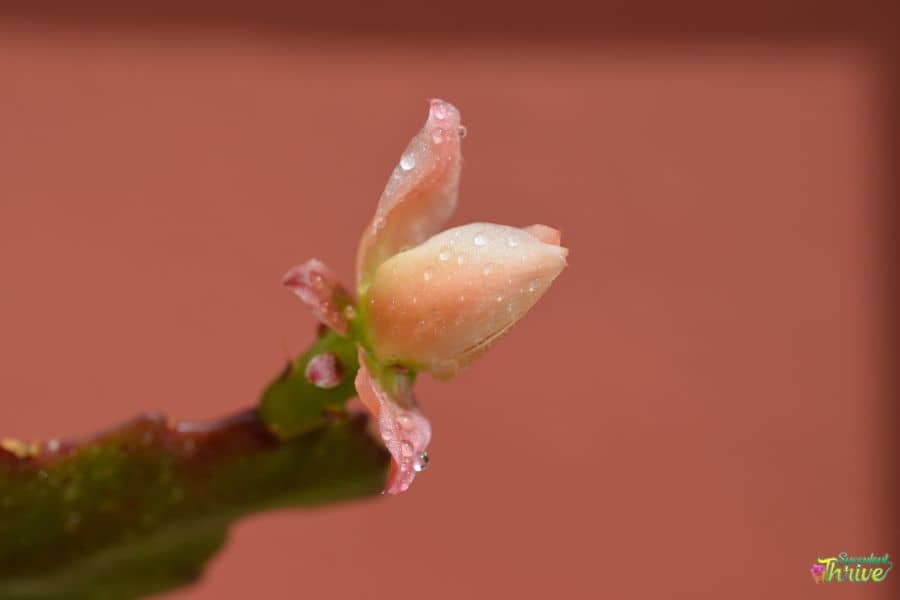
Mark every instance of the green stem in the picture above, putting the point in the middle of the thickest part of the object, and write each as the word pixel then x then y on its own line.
pixel 140 509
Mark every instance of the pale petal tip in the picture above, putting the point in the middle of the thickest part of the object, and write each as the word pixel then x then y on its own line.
pixel 546 234
pixel 319 288
pixel 443 112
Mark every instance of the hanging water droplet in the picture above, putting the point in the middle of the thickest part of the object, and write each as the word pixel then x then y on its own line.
pixel 407 161
pixel 324 370
pixel 480 240
pixel 463 131
pixel 421 462
pixel 406 449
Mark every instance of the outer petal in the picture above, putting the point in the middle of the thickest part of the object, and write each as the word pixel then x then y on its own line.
pixel 318 287
pixel 421 194
pixel 404 429
pixel 548 235
pixel 438 305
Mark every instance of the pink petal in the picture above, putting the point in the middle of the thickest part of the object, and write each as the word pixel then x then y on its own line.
pixel 403 428
pixel 548 235
pixel 421 194
pixel 318 287
pixel 439 305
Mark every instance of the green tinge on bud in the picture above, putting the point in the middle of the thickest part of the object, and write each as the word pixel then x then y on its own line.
pixel 438 305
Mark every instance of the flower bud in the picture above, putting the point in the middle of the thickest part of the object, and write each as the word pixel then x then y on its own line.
pixel 438 305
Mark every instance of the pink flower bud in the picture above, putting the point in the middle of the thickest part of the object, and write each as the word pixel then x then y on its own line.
pixel 438 305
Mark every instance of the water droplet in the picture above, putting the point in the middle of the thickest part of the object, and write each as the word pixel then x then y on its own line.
pixel 438 136
pixel 324 370
pixel 407 161
pixel 440 111
pixel 421 462
pixel 406 449
pixel 461 259
pixel 463 131
pixel 444 255
pixel 405 421
pixel 427 274
pixel 480 240
pixel 349 312
pixel 512 242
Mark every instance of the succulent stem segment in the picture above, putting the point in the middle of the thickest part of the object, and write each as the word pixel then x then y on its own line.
pixel 139 509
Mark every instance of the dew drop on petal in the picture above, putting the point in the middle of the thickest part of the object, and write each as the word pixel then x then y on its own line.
pixel 440 111
pixel 405 421
pixel 444 255
pixel 421 462
pixel 480 240
pixel 407 161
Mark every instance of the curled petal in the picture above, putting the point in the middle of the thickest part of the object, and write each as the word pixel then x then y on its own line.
pixel 548 235
pixel 403 428
pixel 421 194
pixel 318 287
pixel 440 304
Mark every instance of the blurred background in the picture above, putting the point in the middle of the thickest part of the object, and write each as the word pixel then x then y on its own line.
pixel 702 405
